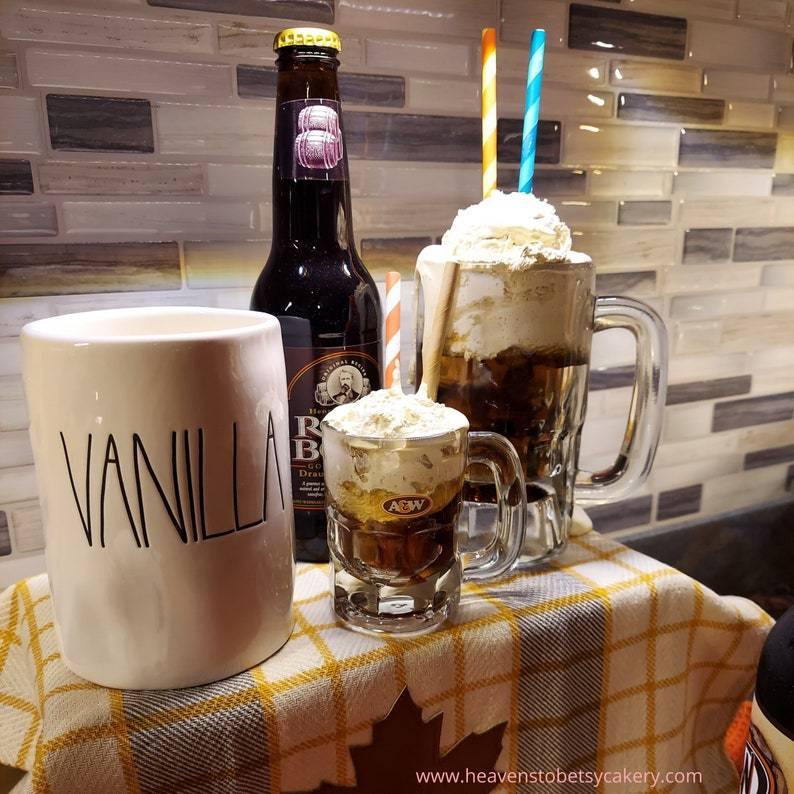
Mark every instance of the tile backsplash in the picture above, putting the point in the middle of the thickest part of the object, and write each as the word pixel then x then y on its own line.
pixel 135 149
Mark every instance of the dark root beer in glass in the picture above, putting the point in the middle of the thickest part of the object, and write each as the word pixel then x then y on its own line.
pixel 314 281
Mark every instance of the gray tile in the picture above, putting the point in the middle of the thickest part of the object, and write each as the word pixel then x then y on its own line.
pixel 5 535
pixel 631 282
pixel 403 136
pixel 305 10
pixel 621 515
pixel 15 177
pixel 626 32
pixel 27 220
pixel 381 254
pixel 678 393
pixel 71 268
pixel 548 182
pixel 259 82
pixel 768 457
pixel 756 244
pixel 509 133
pixel 679 502
pixel 655 107
pixel 727 148
pixel 645 213
pixel 707 245
pixel 612 378
pixel 783 185
pixel 100 123
pixel 753 411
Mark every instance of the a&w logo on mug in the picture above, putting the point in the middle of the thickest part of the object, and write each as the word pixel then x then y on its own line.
pixel 408 505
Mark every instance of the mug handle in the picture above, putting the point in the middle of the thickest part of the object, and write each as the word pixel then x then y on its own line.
pixel 646 412
pixel 504 546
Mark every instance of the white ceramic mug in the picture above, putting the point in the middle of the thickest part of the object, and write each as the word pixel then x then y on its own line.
pixel 160 442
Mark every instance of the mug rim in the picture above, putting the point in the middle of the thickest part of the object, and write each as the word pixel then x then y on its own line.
pixel 381 440
pixel 73 328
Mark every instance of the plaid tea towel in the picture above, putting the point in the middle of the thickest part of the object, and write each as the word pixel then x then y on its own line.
pixel 603 662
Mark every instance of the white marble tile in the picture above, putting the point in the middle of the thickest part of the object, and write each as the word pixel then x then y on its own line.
pixel 773 381
pixel 16 312
pixel 418 55
pixel 230 298
pixel 682 422
pixel 15 449
pixel 671 453
pixel 721 213
pixel 760 115
pixel 723 183
pixel 18 484
pixel 774 434
pixel 232 179
pixel 14 412
pixel 690 472
pixel 769 357
pixel 17 567
pixel 215 130
pixel 458 97
pixel 120 178
pixel 11 389
pixel 628 247
pixel 48 24
pixel 602 436
pixel 784 160
pixel 609 402
pixel 685 369
pixel 460 183
pixel 735 491
pixel 374 216
pixel 783 212
pixel 612 348
pixel 715 9
pixel 151 219
pixel 735 45
pixel 704 278
pixel 556 102
pixel 230 264
pixel 20 131
pixel 27 527
pixel 82 70
pixel 10 357
pixel 781 275
pixel 27 219
pixel 519 18
pixel 69 304
pixel 756 331
pixel 645 184
pixel 779 299
pixel 731 84
pixel 716 304
pixel 696 337
pixel 655 76
pixel 415 16
pixel 566 66
pixel 595 144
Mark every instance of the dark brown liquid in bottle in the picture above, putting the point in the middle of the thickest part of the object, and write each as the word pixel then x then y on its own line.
pixel 314 281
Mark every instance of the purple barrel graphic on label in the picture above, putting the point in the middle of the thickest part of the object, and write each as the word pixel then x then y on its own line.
pixel 319 117
pixel 317 149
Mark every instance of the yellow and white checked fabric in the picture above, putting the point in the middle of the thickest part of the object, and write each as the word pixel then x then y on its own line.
pixel 603 660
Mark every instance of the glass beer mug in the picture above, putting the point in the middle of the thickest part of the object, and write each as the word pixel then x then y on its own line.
pixel 516 362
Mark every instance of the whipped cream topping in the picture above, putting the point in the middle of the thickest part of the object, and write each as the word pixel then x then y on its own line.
pixel 388 413
pixel 513 229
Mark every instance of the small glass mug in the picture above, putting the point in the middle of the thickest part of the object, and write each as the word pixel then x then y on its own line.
pixel 393 507
pixel 516 361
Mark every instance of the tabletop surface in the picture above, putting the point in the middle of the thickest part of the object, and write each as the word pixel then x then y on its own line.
pixel 603 661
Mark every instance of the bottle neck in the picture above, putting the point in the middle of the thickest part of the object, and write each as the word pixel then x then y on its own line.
pixel 311 188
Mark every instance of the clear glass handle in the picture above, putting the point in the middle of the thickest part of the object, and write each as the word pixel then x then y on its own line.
pixel 500 456
pixel 644 427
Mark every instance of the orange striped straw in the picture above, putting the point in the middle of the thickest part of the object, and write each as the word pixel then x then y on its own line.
pixel 392 371
pixel 488 111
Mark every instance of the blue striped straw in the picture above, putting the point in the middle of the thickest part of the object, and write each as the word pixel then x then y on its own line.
pixel 529 140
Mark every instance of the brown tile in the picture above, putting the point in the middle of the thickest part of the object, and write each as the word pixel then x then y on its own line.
pixel 626 32
pixel 621 515
pixel 679 502
pixel 15 177
pixel 72 268
pixel 727 148
pixel 753 411
pixel 768 457
pixel 644 213
pixel 509 133
pixel 657 107
pixel 707 245
pixel 100 123
pixel 760 243
pixel 695 391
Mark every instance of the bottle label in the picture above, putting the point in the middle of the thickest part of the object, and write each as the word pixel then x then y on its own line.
pixel 310 140
pixel 761 773
pixel 319 379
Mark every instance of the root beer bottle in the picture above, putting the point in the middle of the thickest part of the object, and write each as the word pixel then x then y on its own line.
pixel 314 281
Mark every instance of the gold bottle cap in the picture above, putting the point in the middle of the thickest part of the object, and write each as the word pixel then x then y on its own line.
pixel 317 37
